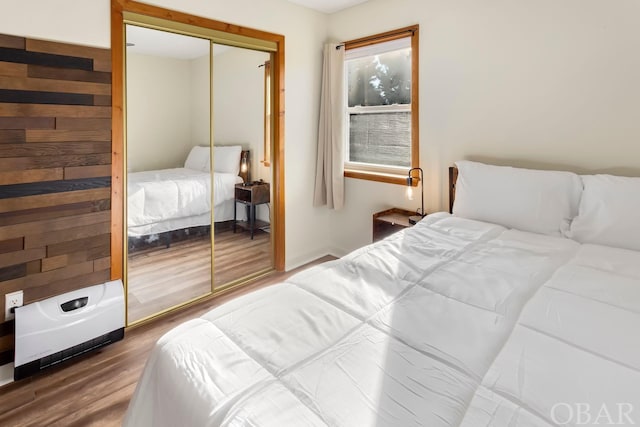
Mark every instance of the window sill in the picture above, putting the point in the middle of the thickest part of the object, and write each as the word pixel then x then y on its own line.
pixel 389 178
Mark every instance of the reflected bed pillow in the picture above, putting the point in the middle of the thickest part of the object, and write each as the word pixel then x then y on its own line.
pixel 530 200
pixel 608 213
pixel 198 159
pixel 226 159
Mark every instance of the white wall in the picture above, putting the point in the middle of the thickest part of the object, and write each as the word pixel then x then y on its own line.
pixel 200 100
pixel 87 22
pixel 238 108
pixel 541 83
pixel 159 112
pixel 238 103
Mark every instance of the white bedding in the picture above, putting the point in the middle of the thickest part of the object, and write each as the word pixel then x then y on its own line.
pixel 452 322
pixel 170 199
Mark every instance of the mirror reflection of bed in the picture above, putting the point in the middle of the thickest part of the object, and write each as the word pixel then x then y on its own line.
pixel 174 178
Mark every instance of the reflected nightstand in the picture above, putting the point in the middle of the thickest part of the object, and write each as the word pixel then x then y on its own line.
pixel 252 195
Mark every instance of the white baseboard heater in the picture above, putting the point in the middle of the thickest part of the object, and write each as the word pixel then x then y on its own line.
pixel 57 329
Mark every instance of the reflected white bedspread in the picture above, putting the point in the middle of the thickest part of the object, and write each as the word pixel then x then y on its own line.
pixel 452 322
pixel 172 194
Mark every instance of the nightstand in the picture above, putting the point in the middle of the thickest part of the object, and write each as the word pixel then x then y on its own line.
pixel 387 222
pixel 257 193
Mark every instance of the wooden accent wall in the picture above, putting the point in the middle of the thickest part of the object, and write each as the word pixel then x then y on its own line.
pixel 55 170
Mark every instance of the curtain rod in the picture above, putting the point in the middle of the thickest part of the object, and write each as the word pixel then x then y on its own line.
pixel 378 37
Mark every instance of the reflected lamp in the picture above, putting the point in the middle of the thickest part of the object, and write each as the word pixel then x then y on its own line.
pixel 244 163
pixel 410 181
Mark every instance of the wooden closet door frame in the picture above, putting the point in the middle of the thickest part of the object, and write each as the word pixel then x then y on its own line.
pixel 118 7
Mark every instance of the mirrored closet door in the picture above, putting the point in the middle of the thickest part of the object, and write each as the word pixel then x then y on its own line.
pixel 168 125
pixel 198 208
pixel 240 115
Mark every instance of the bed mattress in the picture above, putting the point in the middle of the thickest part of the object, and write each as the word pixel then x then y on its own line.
pixel 452 322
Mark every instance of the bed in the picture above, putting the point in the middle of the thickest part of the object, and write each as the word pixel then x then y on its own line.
pixel 522 308
pixel 161 201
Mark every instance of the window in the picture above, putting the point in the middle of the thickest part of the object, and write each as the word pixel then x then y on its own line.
pixel 381 75
pixel 266 153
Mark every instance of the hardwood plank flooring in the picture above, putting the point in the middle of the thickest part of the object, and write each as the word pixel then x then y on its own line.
pixel 94 390
pixel 162 278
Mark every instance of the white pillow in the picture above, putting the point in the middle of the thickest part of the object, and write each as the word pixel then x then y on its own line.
pixel 608 213
pixel 198 159
pixel 530 200
pixel 226 159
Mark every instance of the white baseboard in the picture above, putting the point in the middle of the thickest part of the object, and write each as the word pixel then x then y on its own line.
pixel 301 260
pixel 6 374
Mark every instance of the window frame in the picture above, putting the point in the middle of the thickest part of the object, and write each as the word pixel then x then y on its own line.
pixel 383 173
pixel 266 153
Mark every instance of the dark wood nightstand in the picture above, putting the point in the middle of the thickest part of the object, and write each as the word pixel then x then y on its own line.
pixel 257 193
pixel 387 222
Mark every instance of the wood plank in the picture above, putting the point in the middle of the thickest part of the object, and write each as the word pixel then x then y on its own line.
pixel 21 257
pixel 11 245
pixel 53 148
pixel 44 97
pixel 18 136
pixel 48 85
pixel 56 282
pixel 102 100
pixel 72 123
pixel 13 123
pixel 11 69
pixel 51 187
pixel 54 73
pixel 72 246
pixel 67 49
pixel 38 110
pixel 103 65
pixel 69 234
pixel 39 58
pixel 99 254
pixel 68 135
pixel 46 200
pixel 54 263
pixel 13 271
pixel 12 42
pixel 34 266
pixel 71 280
pixel 87 171
pixel 33 175
pixel 45 162
pixel 6 342
pixel 101 264
pixel 51 212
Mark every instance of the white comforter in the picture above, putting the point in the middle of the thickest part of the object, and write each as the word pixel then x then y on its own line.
pixel 452 322
pixel 162 195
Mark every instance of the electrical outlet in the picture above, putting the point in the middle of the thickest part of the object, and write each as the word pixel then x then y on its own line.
pixel 14 299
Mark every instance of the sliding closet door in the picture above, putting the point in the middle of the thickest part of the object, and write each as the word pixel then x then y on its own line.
pixel 169 230
pixel 243 245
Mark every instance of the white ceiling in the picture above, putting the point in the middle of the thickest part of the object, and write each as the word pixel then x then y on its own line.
pixel 163 43
pixel 169 45
pixel 327 6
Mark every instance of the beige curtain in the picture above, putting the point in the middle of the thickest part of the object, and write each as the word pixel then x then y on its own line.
pixel 329 184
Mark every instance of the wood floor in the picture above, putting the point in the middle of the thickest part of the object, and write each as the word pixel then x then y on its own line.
pixel 95 390
pixel 161 278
